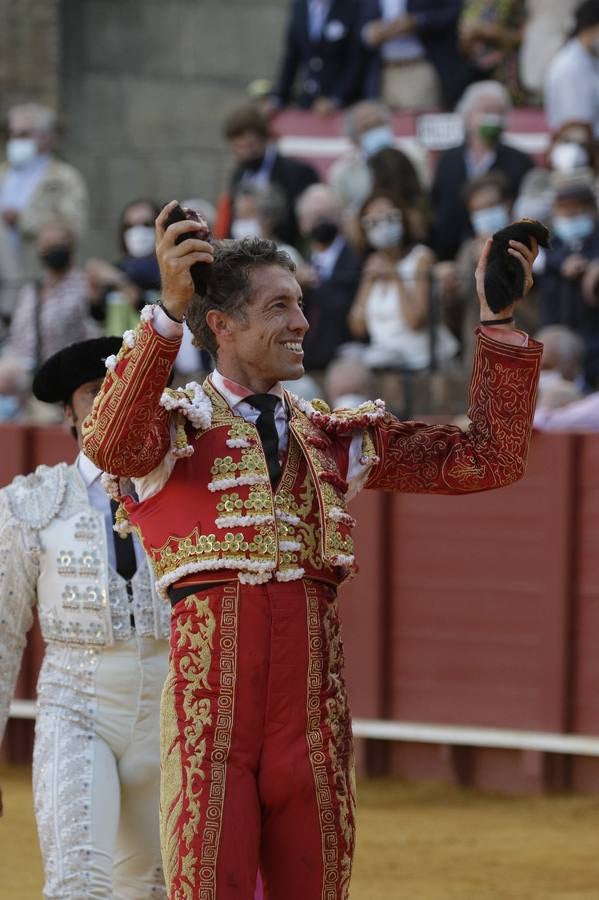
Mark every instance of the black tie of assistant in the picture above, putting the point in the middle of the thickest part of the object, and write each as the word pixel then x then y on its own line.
pixel 267 429
pixel 126 564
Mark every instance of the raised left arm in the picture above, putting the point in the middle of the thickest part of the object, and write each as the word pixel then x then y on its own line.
pixel 491 453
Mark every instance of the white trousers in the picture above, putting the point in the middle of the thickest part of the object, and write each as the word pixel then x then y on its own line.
pixel 96 772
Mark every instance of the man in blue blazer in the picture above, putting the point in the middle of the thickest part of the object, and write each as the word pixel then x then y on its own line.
pixel 323 48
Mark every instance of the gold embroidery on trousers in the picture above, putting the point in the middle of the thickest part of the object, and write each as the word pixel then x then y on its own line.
pixel 317 752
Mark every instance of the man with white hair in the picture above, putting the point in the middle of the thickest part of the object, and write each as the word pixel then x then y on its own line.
pixel 35 186
pixel 331 279
pixel 484 108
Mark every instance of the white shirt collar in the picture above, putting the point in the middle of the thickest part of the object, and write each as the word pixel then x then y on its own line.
pixel 235 393
pixel 87 469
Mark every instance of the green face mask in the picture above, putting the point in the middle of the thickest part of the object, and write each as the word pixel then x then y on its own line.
pixel 490 127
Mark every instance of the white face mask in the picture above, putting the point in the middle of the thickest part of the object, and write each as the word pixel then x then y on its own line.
pixel 376 139
pixel 574 229
pixel 139 240
pixel 20 152
pixel 567 155
pixel 246 228
pixel 487 221
pixel 384 234
pixel 347 401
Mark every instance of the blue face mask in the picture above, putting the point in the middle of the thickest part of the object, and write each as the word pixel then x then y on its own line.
pixel 376 139
pixel 487 221
pixel 9 407
pixel 572 229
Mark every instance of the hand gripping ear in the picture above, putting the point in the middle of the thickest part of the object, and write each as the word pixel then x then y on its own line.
pixel 504 277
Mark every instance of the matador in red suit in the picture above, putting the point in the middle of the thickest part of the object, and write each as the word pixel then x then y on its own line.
pixel 241 503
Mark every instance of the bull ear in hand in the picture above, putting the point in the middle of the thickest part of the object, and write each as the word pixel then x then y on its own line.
pixel 200 272
pixel 504 278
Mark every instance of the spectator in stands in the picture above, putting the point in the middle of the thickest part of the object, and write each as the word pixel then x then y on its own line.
pixel 375 162
pixel 259 211
pixel 484 108
pixel 35 186
pixel 257 161
pixel 548 23
pixel 10 280
pixel 574 244
pixel 490 35
pixel 572 149
pixel 348 383
pixel 414 62
pixel 331 278
pixel 323 52
pixel 53 311
pixel 119 291
pixel 393 302
pixel 563 355
pixel 15 385
pixel 488 200
pixel 572 82
pixel 560 404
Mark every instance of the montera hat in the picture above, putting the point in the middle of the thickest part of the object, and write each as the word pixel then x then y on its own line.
pixel 65 371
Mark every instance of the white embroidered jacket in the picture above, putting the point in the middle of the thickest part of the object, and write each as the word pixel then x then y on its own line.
pixel 53 552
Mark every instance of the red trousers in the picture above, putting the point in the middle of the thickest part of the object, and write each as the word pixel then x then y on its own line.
pixel 257 758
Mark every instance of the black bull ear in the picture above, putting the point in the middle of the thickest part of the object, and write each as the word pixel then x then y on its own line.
pixel 504 278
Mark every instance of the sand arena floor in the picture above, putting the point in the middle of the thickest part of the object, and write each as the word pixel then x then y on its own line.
pixel 415 842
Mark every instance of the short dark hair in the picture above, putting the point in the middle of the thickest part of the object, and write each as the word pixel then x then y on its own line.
pixel 496 180
pixel 229 286
pixel 246 118
pixel 586 16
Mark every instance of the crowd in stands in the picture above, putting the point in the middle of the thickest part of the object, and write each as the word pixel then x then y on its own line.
pixel 385 242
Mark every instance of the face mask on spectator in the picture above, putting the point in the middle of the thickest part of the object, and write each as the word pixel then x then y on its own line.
pixel 566 156
pixel 488 221
pixel 9 407
pixel 376 139
pixel 20 151
pixel 347 401
pixel 57 258
pixel 324 232
pixel 385 233
pixel 571 229
pixel 139 240
pixel 490 126
pixel 246 228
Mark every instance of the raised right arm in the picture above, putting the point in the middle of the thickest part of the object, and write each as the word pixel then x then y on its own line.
pixel 128 432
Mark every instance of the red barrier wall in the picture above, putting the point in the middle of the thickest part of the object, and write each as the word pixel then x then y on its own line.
pixel 476 610
pixel 480 607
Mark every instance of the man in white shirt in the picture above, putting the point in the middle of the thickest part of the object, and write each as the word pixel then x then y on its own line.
pixel 35 186
pixel 572 82
pixel 96 753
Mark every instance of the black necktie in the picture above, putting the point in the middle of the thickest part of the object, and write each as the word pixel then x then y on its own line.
pixel 267 429
pixel 126 564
